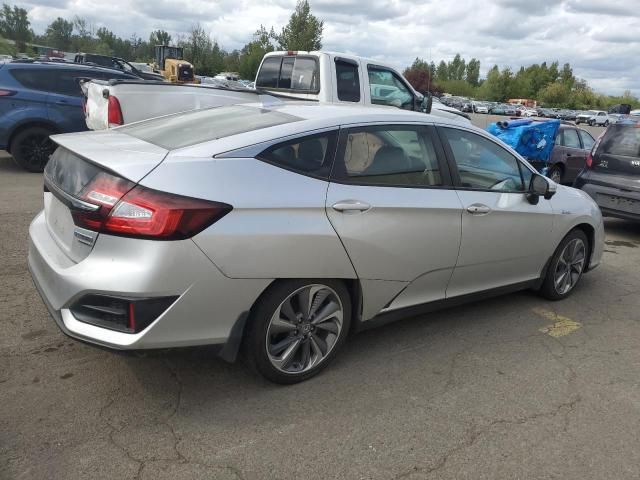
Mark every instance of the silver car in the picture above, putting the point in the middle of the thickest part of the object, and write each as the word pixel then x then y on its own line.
pixel 281 228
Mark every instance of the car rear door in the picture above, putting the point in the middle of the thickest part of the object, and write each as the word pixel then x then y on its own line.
pixel 503 234
pixel 391 202
pixel 574 155
pixel 64 104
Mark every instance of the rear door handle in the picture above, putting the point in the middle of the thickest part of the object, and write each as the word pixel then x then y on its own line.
pixel 478 209
pixel 351 206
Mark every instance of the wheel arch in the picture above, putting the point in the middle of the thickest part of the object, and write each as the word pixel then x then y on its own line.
pixel 238 334
pixel 21 127
pixel 590 232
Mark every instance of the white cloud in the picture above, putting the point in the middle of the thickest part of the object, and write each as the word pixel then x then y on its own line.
pixel 597 38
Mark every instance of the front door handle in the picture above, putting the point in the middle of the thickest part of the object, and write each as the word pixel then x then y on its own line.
pixel 351 206
pixel 478 209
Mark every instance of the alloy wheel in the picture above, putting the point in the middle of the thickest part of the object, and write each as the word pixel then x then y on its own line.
pixel 36 150
pixel 556 175
pixel 569 267
pixel 304 329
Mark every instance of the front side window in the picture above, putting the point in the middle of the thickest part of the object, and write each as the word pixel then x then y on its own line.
pixel 310 155
pixel 347 81
pixel 387 89
pixel 483 164
pixel 398 155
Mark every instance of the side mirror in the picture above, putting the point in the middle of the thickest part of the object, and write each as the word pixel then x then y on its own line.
pixel 427 103
pixel 540 187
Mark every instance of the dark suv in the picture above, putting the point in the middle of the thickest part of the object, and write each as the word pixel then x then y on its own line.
pixel 612 172
pixel 38 99
pixel 568 157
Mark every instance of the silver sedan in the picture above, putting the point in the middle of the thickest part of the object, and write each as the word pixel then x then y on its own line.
pixel 273 231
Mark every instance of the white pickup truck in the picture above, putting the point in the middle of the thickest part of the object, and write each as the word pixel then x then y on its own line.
pixel 313 76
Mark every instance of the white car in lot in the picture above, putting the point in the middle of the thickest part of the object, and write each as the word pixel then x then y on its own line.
pixel 479 107
pixel 594 117
pixel 528 112
pixel 281 228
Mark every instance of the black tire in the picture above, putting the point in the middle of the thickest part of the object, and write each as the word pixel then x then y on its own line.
pixel 31 148
pixel 549 289
pixel 258 334
pixel 606 123
pixel 557 172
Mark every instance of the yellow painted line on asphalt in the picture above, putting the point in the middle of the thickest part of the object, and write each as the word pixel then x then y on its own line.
pixel 560 327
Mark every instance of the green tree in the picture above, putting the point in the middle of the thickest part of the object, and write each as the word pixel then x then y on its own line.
pixel 442 72
pixel 159 37
pixel 304 30
pixel 554 95
pixel 59 33
pixel 473 72
pixel 15 25
pixel 252 53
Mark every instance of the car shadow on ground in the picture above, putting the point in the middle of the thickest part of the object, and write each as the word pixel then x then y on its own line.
pixel 376 355
pixel 626 228
pixel 7 165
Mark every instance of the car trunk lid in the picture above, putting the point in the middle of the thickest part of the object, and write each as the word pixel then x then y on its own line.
pixel 79 160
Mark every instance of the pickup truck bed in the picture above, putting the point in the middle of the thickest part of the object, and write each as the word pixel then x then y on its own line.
pixel 139 100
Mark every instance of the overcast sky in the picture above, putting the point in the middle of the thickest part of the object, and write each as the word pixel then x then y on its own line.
pixel 598 37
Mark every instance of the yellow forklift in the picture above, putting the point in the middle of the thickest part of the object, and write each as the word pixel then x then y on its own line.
pixel 170 64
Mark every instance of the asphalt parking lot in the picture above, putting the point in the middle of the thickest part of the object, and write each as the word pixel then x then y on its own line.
pixel 512 387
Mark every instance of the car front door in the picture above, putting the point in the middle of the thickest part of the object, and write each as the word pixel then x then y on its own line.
pixel 391 203
pixel 503 234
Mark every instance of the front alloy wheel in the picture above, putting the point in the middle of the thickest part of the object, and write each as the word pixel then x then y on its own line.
pixel 297 327
pixel 566 266
pixel 569 266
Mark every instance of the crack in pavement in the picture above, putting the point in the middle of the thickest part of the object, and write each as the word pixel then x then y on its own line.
pixel 476 433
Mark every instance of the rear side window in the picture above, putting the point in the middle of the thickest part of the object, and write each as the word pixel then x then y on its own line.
pixel 571 139
pixel 587 140
pixel 54 80
pixel 311 155
pixel 35 79
pixel 622 140
pixel 347 81
pixel 389 155
pixel 198 126
pixel 295 73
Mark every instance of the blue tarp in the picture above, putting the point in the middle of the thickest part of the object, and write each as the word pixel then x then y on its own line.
pixel 533 140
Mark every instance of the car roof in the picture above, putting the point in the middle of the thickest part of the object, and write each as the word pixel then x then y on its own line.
pixel 309 117
pixel 61 65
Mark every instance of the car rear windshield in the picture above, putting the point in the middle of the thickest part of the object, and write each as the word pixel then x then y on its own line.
pixel 295 73
pixel 622 140
pixel 185 129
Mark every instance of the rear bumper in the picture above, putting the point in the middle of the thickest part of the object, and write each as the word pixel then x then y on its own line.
pixel 597 192
pixel 208 307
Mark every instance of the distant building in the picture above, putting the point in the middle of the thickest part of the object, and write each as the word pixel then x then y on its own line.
pixel 527 102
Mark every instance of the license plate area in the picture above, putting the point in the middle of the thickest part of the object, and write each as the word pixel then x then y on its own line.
pixel 76 243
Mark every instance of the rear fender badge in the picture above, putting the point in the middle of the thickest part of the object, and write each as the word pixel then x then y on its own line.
pixel 84 238
pixel 635 163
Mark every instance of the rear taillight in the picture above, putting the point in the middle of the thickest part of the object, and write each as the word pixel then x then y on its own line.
pixel 589 161
pixel 140 212
pixel 7 93
pixel 114 112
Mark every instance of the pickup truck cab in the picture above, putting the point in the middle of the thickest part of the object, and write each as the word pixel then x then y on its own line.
pixel 325 77
pixel 329 77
